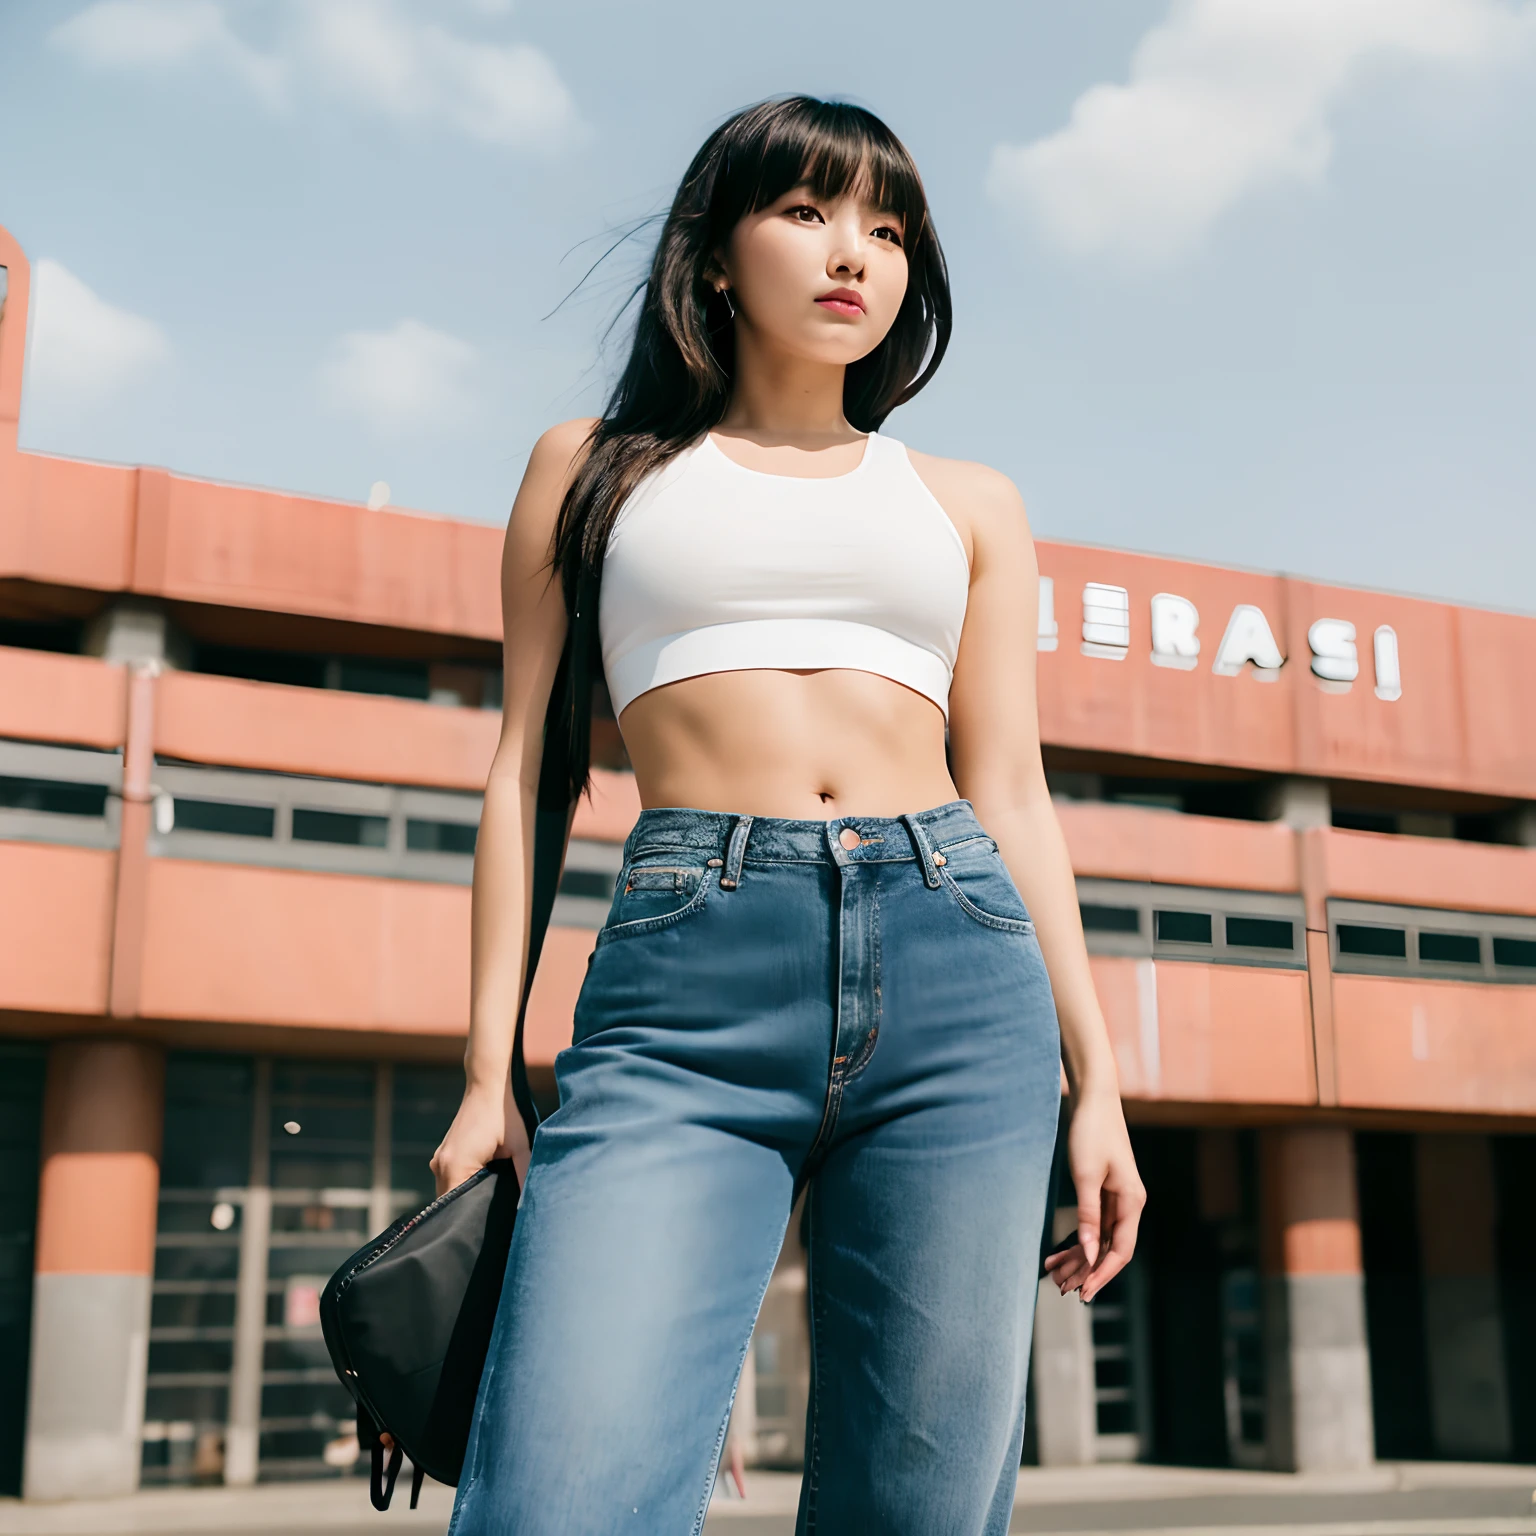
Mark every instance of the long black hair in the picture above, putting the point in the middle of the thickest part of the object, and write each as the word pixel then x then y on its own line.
pixel 677 382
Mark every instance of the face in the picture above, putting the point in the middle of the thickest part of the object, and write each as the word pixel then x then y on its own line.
pixel 821 278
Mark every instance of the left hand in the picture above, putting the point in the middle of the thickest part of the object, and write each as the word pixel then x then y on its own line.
pixel 1110 1197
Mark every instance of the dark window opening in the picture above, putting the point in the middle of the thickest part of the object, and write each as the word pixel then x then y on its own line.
pixel 1184 927
pixel 304 669
pixel 1451 948
pixel 1518 952
pixel 1364 821
pixel 400 679
pixel 41 635
pixel 223 816
pixel 587 882
pixel 295 668
pixel 1099 919
pixel 440 836
pixel 340 827
pixel 1386 943
pixel 1261 933
pixel 55 798
pixel 1234 799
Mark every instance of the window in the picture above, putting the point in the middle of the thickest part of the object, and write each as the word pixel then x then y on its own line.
pixel 52 794
pixel 1212 927
pixel 1520 953
pixel 1377 939
pixel 440 836
pixel 1101 919
pixel 1261 933
pixel 225 817
pixel 340 827
pixel 294 821
pixel 1386 943
pixel 54 798
pixel 595 884
pixel 1451 948
pixel 1183 927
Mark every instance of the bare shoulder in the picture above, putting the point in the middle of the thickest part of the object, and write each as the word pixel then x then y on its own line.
pixel 982 502
pixel 560 450
pixel 553 464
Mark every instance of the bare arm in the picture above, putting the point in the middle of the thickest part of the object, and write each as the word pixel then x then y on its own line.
pixel 533 628
pixel 995 757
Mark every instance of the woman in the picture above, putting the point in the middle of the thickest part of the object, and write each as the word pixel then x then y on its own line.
pixel 832 955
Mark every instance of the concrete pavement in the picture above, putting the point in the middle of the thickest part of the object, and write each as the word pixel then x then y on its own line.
pixel 1391 1499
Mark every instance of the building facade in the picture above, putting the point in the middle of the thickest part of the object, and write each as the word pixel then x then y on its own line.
pixel 243 736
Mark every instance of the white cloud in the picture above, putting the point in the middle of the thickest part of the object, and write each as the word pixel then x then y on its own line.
pixel 130 35
pixel 82 350
pixel 383 56
pixel 386 59
pixel 1224 96
pixel 409 377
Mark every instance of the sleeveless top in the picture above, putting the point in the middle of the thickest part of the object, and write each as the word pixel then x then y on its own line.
pixel 713 567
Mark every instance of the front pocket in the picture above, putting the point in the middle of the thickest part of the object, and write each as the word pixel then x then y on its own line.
pixel 650 896
pixel 975 875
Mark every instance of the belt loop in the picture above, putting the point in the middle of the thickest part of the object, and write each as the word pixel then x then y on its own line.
pixel 735 852
pixel 926 857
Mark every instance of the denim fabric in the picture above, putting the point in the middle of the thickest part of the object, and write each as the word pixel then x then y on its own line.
pixel 765 1010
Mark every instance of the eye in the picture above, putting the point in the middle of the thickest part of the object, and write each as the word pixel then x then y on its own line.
pixel 888 232
pixel 804 213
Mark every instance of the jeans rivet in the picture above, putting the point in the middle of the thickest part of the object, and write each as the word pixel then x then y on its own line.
pixel 939 858
pixel 716 863
pixel 727 885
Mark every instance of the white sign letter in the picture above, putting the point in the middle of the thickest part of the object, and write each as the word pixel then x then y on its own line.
pixel 1174 622
pixel 1389 675
pixel 1045 625
pixel 1106 621
pixel 1333 650
pixel 1248 638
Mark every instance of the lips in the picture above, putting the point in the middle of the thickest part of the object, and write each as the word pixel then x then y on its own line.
pixel 842 301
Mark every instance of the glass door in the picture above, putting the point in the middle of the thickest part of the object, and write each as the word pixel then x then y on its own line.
pixel 204 1170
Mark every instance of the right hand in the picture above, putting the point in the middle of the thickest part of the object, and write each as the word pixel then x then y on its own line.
pixel 486 1127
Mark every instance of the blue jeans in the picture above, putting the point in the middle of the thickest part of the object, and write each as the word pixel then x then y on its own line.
pixel 769 1009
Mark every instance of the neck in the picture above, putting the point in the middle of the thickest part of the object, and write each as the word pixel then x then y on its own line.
pixel 788 398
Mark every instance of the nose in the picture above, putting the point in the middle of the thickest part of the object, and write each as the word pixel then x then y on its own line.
pixel 848 255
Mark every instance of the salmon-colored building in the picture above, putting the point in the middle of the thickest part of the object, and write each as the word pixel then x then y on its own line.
pixel 242 740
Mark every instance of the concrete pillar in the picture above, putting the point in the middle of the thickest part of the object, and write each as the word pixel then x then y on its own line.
pixel 1300 803
pixel 381 1196
pixel 135 630
pixel 242 1435
pixel 1463 1325
pixel 1318 1386
pixel 1066 1416
pixel 103 1108
pixel 1522 826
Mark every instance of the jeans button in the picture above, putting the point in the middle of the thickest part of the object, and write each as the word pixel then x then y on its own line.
pixel 849 838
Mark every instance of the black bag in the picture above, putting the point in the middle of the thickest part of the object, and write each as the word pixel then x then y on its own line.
pixel 407 1319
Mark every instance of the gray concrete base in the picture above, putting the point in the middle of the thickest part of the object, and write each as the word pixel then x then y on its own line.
pixel 85 1415
pixel 1066 1423
pixel 1318 1397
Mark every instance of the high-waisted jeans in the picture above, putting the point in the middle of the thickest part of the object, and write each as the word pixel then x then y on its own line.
pixel 767 1009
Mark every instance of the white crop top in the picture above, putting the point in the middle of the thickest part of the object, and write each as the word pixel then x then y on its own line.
pixel 713 567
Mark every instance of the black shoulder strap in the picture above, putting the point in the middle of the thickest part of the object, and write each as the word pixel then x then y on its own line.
pixel 554 810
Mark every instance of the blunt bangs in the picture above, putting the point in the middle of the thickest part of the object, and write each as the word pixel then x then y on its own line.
pixel 832 147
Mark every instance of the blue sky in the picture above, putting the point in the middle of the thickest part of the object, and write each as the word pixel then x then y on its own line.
pixel 1239 280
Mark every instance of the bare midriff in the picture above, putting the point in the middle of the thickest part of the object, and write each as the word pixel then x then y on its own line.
pixel 802 745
